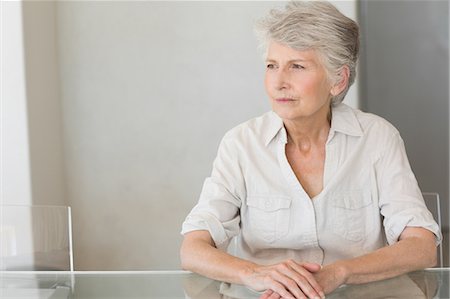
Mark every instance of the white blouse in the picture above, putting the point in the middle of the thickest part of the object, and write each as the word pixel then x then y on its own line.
pixel 254 198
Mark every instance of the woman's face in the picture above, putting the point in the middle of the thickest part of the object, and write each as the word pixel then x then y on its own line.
pixel 296 83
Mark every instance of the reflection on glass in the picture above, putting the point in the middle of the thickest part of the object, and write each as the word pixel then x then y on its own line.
pixel 418 285
pixel 183 285
pixel 35 238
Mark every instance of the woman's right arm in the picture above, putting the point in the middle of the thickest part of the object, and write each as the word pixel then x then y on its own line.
pixel 289 278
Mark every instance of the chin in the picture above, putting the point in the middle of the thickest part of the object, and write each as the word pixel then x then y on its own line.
pixel 286 112
pixel 286 115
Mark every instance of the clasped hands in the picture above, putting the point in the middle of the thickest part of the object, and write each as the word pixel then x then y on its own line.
pixel 292 280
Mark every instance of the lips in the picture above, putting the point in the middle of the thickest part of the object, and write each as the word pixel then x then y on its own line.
pixel 284 100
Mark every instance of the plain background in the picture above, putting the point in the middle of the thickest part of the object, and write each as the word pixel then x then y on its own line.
pixel 117 109
pixel 405 79
pixel 148 90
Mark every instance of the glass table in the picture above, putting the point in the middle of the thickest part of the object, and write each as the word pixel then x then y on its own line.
pixel 430 283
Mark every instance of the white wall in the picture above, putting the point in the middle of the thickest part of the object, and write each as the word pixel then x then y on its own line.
pixel 15 164
pixel 31 146
pixel 15 187
pixel 32 154
pixel 148 90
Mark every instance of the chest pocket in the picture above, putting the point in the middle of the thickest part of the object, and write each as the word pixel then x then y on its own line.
pixel 352 215
pixel 268 217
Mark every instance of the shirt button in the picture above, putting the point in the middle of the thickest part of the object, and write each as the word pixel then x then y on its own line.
pixel 267 204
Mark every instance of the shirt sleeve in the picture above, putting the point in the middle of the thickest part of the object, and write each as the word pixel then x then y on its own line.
pixel 400 199
pixel 217 210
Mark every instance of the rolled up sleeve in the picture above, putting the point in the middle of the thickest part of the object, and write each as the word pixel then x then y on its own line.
pixel 401 201
pixel 218 209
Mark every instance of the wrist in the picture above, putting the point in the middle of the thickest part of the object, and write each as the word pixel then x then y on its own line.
pixel 343 271
pixel 246 272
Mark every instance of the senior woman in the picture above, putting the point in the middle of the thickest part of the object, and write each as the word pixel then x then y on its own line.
pixel 313 194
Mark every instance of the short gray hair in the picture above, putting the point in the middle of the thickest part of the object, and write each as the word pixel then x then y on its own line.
pixel 317 25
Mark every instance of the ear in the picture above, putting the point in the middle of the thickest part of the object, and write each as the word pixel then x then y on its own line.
pixel 342 83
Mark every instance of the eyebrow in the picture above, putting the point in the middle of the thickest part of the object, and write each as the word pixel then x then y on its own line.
pixel 290 61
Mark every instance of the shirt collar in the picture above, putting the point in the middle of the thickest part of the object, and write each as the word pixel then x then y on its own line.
pixel 343 120
pixel 275 124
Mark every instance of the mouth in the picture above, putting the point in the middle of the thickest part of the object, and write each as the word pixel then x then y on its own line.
pixel 284 100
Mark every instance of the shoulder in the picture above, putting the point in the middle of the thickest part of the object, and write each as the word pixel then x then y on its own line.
pixel 373 124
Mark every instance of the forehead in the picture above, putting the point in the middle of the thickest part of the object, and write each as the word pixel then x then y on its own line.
pixel 281 52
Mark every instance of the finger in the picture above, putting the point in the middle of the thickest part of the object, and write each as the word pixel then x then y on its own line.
pixel 274 296
pixel 310 279
pixel 270 295
pixel 305 280
pixel 266 294
pixel 280 289
pixel 286 280
pixel 311 267
pixel 298 285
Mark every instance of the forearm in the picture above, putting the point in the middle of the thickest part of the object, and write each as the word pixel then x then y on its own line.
pixel 289 279
pixel 407 255
pixel 203 258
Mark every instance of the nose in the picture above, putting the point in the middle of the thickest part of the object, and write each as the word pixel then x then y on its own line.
pixel 281 80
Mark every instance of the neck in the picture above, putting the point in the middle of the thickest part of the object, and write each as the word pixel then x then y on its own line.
pixel 305 132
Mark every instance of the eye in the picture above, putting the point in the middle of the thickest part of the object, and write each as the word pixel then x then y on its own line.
pixel 270 66
pixel 297 66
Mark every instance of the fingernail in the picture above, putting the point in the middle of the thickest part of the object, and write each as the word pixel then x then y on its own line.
pixel 322 295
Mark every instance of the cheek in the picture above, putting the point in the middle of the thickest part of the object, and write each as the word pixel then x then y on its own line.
pixel 315 86
pixel 309 86
pixel 267 84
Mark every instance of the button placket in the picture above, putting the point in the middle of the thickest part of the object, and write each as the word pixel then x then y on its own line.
pixel 300 195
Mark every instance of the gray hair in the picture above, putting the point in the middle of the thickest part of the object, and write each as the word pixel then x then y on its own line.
pixel 317 25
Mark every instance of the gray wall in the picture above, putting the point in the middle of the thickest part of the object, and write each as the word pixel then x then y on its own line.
pixel 405 78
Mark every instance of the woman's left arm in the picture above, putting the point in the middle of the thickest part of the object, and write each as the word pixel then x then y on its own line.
pixel 416 249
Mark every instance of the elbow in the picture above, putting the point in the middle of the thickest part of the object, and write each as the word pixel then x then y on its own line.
pixel 185 265
pixel 430 256
pixel 421 243
pixel 193 248
pixel 433 253
pixel 184 258
pixel 188 256
pixel 433 260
